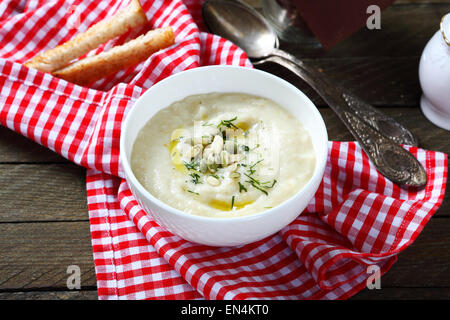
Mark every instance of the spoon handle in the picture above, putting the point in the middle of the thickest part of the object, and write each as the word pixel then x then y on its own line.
pixel 380 121
pixel 390 159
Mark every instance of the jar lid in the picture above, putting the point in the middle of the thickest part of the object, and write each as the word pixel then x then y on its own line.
pixel 445 28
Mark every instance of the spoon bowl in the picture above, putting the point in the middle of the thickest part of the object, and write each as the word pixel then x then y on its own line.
pixel 248 29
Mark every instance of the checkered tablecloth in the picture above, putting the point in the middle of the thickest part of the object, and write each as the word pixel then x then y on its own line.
pixel 356 220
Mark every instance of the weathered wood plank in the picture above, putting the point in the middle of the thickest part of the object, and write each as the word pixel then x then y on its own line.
pixel 403 294
pixel 426 263
pixel 257 3
pixel 406 26
pixel 421 1
pixel 405 30
pixel 16 148
pixel 51 295
pixel 381 81
pixel 42 192
pixel 366 294
pixel 37 255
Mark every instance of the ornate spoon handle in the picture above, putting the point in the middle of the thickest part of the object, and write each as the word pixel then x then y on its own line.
pixel 391 160
pixel 380 121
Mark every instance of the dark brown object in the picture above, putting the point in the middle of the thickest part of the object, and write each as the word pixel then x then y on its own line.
pixel 331 21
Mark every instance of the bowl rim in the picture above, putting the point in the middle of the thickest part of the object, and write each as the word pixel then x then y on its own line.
pixel 129 175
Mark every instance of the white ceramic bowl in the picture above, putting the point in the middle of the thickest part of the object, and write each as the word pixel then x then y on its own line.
pixel 217 231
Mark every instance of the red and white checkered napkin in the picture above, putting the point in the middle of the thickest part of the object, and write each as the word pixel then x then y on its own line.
pixel 357 218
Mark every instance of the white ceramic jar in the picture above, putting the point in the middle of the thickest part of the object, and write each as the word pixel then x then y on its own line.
pixel 434 75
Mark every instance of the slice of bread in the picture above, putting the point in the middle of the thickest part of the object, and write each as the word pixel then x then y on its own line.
pixel 126 19
pixel 91 69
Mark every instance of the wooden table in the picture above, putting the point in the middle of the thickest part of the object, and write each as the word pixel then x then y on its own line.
pixel 44 226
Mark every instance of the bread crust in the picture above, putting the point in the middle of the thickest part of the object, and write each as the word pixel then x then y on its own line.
pixel 128 18
pixel 91 69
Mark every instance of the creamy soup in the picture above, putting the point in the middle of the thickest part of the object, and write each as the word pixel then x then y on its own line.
pixel 223 155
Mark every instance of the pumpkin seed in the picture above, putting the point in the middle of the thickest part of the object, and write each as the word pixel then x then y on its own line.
pixel 213 181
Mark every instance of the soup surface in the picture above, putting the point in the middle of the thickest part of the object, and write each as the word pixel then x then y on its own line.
pixel 223 155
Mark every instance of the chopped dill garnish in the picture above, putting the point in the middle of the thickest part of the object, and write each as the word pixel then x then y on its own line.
pixel 252 166
pixel 267 182
pixel 261 186
pixel 227 123
pixel 251 178
pixel 232 202
pixel 241 187
pixel 192 192
pixel 251 170
pixel 195 177
pixel 246 148
pixel 257 187
pixel 193 165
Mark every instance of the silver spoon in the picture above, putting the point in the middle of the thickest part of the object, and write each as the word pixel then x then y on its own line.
pixel 245 27
pixel 377 133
